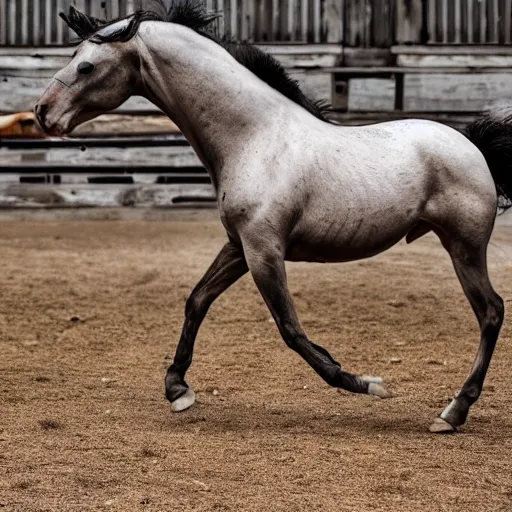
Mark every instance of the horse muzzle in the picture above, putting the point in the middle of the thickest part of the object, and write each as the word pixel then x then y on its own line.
pixel 46 111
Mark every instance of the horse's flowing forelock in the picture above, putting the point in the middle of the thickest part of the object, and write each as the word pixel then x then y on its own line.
pixel 193 15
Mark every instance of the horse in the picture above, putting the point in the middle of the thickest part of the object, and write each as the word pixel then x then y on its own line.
pixel 290 183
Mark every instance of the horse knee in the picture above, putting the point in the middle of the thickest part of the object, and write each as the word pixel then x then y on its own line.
pixel 495 312
pixel 195 304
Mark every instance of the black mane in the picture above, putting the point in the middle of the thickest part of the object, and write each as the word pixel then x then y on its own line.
pixel 194 16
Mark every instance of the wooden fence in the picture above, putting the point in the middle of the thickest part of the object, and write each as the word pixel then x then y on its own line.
pixel 358 23
pixel 36 22
pixel 469 21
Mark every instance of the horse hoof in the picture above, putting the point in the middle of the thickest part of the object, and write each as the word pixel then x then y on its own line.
pixel 377 390
pixel 184 401
pixel 441 426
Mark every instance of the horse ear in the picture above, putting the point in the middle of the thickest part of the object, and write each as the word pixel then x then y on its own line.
pixel 83 25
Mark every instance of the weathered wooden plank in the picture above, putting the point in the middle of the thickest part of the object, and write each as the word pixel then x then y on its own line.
pixel 332 21
pixel 492 21
pixel 383 17
pixel 380 72
pixel 20 14
pixel 495 22
pixel 304 10
pixel 125 124
pixel 3 22
pixel 444 21
pixel 469 21
pixel 23 18
pixel 290 20
pixel 76 178
pixel 47 6
pixel 356 23
pixel 483 21
pixel 253 14
pixel 457 21
pixel 62 29
pixel 221 22
pixel 455 93
pixel 409 20
pixel 431 20
pixel 507 22
pixel 101 195
pixel 317 21
pixel 366 57
pixel 371 94
pixel 451 50
pixel 296 32
pixel 113 11
pixel 20 64
pixel 450 61
pixel 233 21
pixel 275 32
pixel 245 21
pixel 129 157
pixel 11 22
pixel 316 85
pixel 305 56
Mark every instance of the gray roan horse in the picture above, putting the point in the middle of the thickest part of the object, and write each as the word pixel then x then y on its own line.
pixel 290 184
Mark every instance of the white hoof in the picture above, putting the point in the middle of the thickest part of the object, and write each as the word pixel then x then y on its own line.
pixel 378 390
pixel 184 401
pixel 441 426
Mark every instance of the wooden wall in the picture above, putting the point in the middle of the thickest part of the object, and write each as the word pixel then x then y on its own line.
pixel 355 23
pixel 36 22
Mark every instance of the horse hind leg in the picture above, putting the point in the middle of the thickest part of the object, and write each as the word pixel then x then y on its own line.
pixel 470 264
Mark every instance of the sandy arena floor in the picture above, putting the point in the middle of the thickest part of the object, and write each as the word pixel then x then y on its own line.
pixel 90 313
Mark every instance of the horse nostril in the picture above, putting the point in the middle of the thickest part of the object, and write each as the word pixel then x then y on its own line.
pixel 41 111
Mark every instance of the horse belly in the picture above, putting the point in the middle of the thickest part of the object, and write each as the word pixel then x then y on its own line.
pixel 340 243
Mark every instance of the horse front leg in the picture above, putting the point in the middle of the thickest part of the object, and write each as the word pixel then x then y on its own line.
pixel 265 259
pixel 226 269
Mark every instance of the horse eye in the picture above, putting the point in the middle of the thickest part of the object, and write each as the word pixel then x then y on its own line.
pixel 84 68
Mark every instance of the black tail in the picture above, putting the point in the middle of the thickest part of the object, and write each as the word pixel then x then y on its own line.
pixel 491 133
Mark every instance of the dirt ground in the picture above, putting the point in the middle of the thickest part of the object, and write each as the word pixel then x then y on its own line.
pixel 90 313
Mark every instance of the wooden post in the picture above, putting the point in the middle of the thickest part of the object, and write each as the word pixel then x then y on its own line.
pixel 458 21
pixel 332 21
pixel 316 20
pixel 233 22
pixel 123 8
pixel 469 14
pixel 409 21
pixel 507 20
pixel 3 22
pixel 495 17
pixel 304 20
pixel 26 12
pixel 11 22
pixel 483 21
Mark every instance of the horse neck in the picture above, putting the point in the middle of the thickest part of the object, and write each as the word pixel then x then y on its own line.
pixel 215 101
